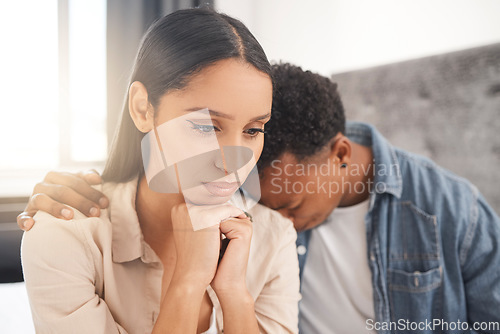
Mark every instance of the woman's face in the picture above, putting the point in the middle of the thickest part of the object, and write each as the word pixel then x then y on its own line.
pixel 214 127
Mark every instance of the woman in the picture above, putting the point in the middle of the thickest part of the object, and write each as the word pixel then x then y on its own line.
pixel 149 262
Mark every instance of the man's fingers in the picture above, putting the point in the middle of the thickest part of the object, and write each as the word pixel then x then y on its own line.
pixel 43 202
pixel 91 177
pixel 47 199
pixel 78 185
pixel 25 221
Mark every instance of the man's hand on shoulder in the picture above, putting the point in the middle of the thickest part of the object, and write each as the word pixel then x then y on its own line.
pixel 58 191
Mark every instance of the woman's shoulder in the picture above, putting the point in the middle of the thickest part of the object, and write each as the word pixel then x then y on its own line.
pixel 80 227
pixel 270 225
pixel 80 248
pixel 54 234
pixel 53 246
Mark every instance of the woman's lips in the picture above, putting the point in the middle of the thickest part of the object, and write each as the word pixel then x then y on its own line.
pixel 221 189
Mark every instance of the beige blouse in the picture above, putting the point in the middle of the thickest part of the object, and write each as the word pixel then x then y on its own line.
pixel 98 275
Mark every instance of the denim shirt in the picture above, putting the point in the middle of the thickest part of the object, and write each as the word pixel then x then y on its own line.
pixel 433 245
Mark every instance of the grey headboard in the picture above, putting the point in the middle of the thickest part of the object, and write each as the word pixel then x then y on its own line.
pixel 446 107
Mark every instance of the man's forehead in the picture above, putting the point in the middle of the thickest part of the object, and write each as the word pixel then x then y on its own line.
pixel 286 160
pixel 273 178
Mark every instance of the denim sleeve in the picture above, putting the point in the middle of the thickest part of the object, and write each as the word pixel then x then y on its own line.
pixel 480 259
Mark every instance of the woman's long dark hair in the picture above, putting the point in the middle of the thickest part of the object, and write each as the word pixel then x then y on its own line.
pixel 172 50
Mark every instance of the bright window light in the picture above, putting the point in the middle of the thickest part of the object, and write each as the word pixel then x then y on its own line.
pixel 87 79
pixel 48 123
pixel 29 129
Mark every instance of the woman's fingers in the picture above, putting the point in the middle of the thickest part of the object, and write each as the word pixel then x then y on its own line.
pixel 79 183
pixel 197 251
pixel 231 272
pixel 237 228
pixel 210 215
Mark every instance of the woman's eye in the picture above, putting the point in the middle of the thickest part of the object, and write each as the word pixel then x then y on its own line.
pixel 253 132
pixel 203 127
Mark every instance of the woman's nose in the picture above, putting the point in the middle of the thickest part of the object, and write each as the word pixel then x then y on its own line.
pixel 233 155
pixel 225 141
pixel 220 163
pixel 230 138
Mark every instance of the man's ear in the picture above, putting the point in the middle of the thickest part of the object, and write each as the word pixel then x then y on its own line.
pixel 139 107
pixel 340 150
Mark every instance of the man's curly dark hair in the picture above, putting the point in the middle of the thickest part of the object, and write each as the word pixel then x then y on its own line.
pixel 306 114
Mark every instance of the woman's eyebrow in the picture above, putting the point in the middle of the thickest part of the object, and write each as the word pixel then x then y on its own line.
pixel 258 118
pixel 212 112
pixel 223 115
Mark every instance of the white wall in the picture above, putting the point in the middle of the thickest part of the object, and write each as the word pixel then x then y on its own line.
pixel 332 36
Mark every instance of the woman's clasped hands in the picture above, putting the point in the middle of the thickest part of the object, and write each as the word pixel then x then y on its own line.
pixel 198 249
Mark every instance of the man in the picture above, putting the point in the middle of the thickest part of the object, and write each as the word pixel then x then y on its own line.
pixel 389 242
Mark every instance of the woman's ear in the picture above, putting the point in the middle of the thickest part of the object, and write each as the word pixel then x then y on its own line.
pixel 340 150
pixel 139 107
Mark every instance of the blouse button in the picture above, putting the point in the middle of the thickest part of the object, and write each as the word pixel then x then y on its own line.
pixel 301 249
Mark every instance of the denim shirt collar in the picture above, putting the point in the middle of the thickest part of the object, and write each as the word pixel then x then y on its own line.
pixel 387 171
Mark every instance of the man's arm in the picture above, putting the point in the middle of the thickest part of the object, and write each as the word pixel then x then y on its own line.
pixel 480 260
pixel 59 191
